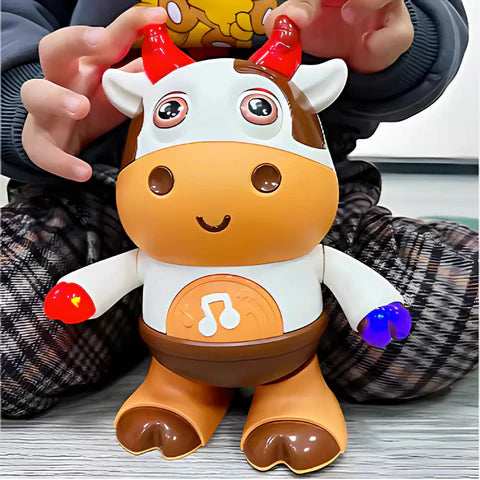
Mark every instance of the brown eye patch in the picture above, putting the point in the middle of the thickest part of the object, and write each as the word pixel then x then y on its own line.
pixel 266 178
pixel 160 180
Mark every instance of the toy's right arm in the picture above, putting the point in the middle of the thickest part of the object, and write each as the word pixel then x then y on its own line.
pixel 90 291
pixel 372 305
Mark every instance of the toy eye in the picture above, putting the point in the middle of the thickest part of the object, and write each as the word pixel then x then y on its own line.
pixel 160 180
pixel 259 108
pixel 170 111
pixel 266 178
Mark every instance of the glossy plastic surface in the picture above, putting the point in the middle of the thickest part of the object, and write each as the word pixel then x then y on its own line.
pixel 200 405
pixel 358 288
pixel 146 428
pixel 160 55
pixel 301 446
pixel 105 282
pixel 217 88
pixel 69 303
pixel 383 324
pixel 303 397
pixel 283 51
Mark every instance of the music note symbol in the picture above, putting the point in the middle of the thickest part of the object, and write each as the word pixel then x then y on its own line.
pixel 229 318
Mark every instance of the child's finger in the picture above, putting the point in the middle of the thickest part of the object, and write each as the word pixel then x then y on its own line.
pixel 301 12
pixel 123 32
pixel 44 98
pixel 60 51
pixel 49 157
pixel 354 11
pixel 388 43
pixel 134 66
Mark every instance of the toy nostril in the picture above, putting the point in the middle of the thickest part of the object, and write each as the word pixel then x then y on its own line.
pixel 266 178
pixel 160 180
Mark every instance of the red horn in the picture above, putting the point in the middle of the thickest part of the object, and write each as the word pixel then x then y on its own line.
pixel 283 51
pixel 160 55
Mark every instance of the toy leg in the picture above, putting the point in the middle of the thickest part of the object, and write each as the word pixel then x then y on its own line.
pixel 170 413
pixel 296 421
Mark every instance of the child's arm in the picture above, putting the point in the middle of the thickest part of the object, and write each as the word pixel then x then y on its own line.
pixel 24 24
pixel 402 53
pixel 67 109
pixel 90 291
pixel 421 74
pixel 371 304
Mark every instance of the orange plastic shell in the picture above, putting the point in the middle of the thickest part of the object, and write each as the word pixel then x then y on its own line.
pixel 261 317
pixel 302 396
pixel 200 404
pixel 212 180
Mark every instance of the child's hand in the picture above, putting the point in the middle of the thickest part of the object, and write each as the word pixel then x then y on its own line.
pixel 369 35
pixel 68 109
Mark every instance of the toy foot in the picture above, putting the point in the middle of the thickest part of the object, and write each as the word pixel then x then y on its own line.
pixel 301 446
pixel 296 421
pixel 142 429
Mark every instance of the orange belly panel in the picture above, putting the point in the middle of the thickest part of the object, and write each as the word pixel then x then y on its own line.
pixel 224 308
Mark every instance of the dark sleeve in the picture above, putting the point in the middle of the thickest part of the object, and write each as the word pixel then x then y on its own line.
pixel 24 23
pixel 418 77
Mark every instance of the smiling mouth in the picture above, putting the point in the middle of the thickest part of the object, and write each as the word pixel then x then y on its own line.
pixel 214 228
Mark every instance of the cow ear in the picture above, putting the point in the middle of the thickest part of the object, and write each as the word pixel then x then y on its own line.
pixel 125 90
pixel 322 83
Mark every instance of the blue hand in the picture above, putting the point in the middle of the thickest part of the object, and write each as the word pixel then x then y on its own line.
pixel 385 323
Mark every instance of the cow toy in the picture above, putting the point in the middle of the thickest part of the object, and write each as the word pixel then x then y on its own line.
pixel 228 193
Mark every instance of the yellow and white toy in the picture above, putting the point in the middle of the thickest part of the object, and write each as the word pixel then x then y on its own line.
pixel 228 194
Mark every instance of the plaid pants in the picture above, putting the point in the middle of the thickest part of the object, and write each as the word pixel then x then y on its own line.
pixel 48 232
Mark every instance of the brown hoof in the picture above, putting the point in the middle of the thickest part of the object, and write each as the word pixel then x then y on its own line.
pixel 147 428
pixel 301 446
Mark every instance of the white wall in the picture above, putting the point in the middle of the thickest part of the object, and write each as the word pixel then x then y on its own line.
pixel 449 128
pixel 409 195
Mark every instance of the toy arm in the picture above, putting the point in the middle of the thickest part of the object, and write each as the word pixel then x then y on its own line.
pixel 368 300
pixel 90 291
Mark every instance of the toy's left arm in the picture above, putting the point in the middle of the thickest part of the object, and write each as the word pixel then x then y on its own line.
pixel 371 304
pixel 90 291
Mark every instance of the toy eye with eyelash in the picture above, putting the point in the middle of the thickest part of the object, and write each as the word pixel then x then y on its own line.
pixel 259 108
pixel 170 111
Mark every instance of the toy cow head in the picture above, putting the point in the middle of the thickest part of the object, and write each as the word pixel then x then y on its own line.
pixel 231 167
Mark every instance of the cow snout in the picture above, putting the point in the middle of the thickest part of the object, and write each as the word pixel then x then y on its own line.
pixel 226 203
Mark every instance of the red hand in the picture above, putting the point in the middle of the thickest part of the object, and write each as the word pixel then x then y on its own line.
pixel 69 303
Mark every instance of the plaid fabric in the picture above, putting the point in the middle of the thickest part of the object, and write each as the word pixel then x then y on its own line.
pixel 435 266
pixel 48 233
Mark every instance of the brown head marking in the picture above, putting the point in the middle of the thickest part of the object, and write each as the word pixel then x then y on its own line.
pixel 306 126
pixel 130 149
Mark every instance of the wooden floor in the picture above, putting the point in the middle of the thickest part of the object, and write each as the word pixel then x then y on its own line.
pixel 435 437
